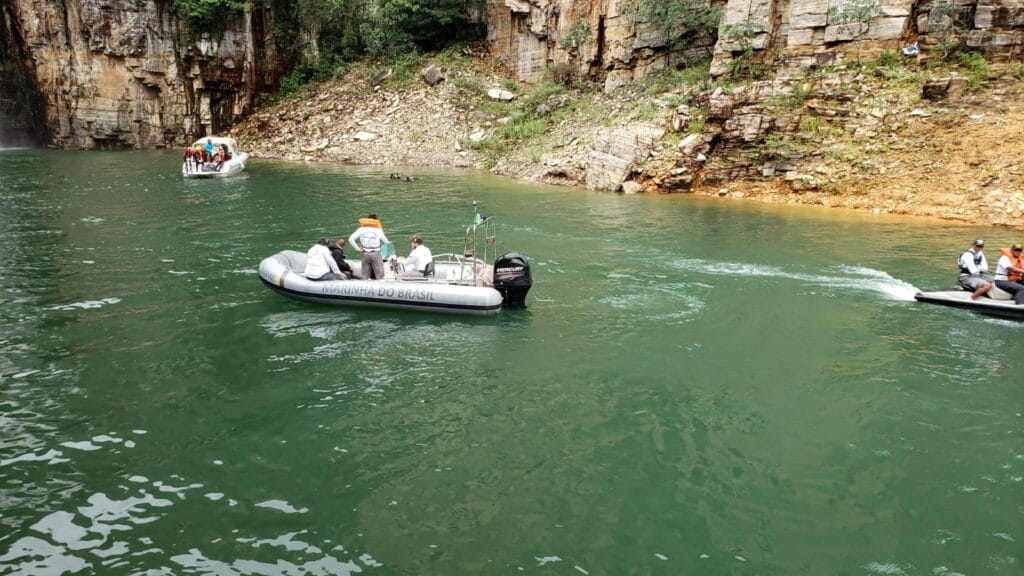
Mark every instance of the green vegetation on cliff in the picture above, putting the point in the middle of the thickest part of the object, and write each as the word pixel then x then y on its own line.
pixel 320 38
pixel 317 39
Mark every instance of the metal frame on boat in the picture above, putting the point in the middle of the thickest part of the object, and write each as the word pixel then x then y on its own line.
pixel 209 169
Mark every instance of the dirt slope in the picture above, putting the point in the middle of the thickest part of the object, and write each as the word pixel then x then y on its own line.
pixel 960 160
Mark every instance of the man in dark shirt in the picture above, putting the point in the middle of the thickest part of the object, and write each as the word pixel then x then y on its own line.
pixel 338 252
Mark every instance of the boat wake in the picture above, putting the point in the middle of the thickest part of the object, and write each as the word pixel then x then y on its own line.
pixel 857 278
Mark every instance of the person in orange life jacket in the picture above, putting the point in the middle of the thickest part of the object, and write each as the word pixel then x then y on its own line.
pixel 974 270
pixel 319 263
pixel 368 239
pixel 338 253
pixel 190 159
pixel 1010 272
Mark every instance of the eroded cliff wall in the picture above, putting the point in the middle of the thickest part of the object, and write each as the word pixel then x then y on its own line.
pixel 788 35
pixel 124 74
pixel 530 36
pixel 21 118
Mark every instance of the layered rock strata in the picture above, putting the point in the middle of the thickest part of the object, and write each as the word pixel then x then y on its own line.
pixel 791 36
pixel 113 74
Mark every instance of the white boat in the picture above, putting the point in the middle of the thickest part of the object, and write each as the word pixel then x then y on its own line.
pixel 234 163
pixel 452 283
pixel 995 303
pixel 457 285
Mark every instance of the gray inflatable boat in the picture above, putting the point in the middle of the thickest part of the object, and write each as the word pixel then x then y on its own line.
pixel 454 285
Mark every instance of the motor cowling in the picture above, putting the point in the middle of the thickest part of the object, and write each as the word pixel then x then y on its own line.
pixel 513 279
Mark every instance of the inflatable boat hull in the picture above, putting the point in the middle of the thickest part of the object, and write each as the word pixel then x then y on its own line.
pixel 962 299
pixel 282 274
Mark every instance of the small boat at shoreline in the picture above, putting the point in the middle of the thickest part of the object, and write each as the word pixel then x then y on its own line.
pixel 996 303
pixel 233 163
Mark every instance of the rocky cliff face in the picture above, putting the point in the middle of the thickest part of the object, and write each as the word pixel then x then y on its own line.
pixel 532 35
pixel 114 74
pixel 789 35
pixel 21 120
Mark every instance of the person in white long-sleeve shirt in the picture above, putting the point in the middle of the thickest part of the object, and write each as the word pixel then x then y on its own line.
pixel 368 240
pixel 414 264
pixel 320 265
pixel 974 270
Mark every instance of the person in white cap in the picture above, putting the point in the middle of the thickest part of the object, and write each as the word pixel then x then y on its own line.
pixel 974 270
pixel 414 264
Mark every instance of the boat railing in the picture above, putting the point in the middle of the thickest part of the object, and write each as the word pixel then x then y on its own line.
pixel 462 269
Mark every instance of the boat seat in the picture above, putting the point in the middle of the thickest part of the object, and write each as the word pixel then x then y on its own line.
pixel 428 270
pixel 996 294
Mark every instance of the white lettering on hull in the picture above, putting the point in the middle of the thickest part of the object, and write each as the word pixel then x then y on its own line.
pixel 363 291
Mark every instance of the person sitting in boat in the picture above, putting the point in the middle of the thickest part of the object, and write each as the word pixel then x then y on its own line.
pixel 368 239
pixel 338 253
pixel 416 262
pixel 974 270
pixel 1010 272
pixel 218 158
pixel 319 263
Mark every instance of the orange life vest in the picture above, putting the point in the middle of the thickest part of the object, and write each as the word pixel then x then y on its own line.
pixel 373 222
pixel 1016 262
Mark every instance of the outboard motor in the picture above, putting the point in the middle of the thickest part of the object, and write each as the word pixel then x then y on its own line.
pixel 512 278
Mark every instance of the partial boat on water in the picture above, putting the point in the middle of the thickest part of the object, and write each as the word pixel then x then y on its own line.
pixel 995 303
pixel 232 161
pixel 452 283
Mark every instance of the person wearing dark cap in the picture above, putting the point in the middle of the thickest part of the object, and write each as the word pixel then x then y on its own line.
pixel 1010 272
pixel 338 253
pixel 319 263
pixel 414 264
pixel 974 270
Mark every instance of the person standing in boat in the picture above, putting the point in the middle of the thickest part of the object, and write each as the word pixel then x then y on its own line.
pixel 414 264
pixel 974 270
pixel 338 253
pixel 319 263
pixel 368 239
pixel 190 159
pixel 1010 272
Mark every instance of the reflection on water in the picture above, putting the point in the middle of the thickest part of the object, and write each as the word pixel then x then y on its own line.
pixel 692 386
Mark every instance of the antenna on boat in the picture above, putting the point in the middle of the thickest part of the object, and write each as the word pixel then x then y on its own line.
pixel 484 224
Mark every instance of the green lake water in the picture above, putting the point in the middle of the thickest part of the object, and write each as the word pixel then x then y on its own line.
pixel 698 386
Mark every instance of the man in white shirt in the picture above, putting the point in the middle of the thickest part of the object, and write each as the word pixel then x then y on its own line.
pixel 414 265
pixel 320 265
pixel 974 270
pixel 368 240
pixel 1010 272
